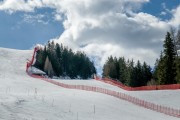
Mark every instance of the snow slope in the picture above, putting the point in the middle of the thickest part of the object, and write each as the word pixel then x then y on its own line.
pixel 26 98
pixel 169 98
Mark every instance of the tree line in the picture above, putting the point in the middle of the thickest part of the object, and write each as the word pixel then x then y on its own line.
pixel 166 69
pixel 127 72
pixel 65 62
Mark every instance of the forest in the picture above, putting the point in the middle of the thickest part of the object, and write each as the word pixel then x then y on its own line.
pixel 127 72
pixel 58 60
pixel 165 71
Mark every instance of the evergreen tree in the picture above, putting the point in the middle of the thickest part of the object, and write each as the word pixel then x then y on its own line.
pixel 64 62
pixel 147 74
pixel 130 69
pixel 178 70
pixel 138 75
pixel 128 74
pixel 161 72
pixel 40 58
pixel 58 60
pixel 110 68
pixel 154 75
pixel 122 70
pixel 169 60
pixel 105 70
pixel 116 62
pixel 167 69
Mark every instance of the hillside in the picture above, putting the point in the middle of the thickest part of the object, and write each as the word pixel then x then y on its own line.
pixel 26 98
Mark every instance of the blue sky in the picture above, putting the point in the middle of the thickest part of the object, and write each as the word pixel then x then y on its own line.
pixel 155 7
pixel 130 28
pixel 17 33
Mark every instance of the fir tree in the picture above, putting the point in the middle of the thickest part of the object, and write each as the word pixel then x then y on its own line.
pixel 161 72
pixel 178 70
pixel 147 74
pixel 130 69
pixel 122 70
pixel 169 60
pixel 154 75
pixel 64 62
pixel 128 74
pixel 138 75
pixel 58 60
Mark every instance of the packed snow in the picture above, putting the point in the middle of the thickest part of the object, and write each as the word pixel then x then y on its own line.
pixel 169 98
pixel 26 98
pixel 34 70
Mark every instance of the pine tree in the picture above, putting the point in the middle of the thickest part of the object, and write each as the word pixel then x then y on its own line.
pixel 128 74
pixel 147 74
pixel 161 72
pixel 169 59
pixel 65 61
pixel 41 55
pixel 116 62
pixel 167 69
pixel 130 69
pixel 39 59
pixel 58 60
pixel 154 75
pixel 105 70
pixel 178 70
pixel 122 70
pixel 61 61
pixel 138 75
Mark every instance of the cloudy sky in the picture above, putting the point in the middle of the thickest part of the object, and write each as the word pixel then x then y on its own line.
pixel 130 28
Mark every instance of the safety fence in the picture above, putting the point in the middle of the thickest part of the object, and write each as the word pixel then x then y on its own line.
pixel 30 62
pixel 153 87
pixel 158 108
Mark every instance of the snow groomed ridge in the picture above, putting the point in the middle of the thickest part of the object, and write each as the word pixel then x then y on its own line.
pixel 155 107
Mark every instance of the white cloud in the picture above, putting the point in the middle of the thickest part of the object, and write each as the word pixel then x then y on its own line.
pixel 163 13
pixel 166 10
pixel 128 33
pixel 175 21
pixel 39 18
pixel 19 5
pixel 58 17
pixel 106 27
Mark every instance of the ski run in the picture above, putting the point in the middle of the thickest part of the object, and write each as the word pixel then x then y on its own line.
pixel 25 98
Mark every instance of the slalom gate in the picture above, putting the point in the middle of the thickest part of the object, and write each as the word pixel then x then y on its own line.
pixel 136 101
